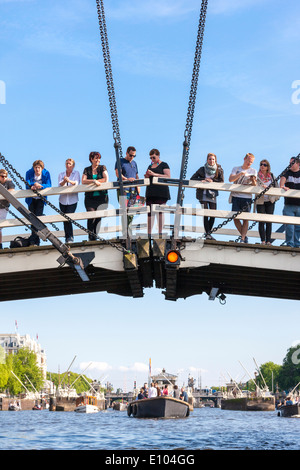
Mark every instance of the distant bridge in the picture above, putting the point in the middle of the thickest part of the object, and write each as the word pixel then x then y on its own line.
pixel 214 267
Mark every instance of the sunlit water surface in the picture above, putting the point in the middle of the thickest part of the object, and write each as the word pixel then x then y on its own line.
pixel 205 428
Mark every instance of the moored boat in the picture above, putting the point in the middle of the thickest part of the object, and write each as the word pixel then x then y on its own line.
pixel 249 404
pixel 290 411
pixel 159 407
pixel 119 406
pixel 291 406
pixel 37 407
pixel 15 406
pixel 86 404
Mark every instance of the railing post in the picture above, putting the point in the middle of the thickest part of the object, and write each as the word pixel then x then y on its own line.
pixel 179 201
pixel 122 200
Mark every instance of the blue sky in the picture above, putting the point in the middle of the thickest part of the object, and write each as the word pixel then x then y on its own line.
pixel 56 106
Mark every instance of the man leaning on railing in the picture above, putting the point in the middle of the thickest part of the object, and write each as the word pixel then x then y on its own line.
pixel 291 180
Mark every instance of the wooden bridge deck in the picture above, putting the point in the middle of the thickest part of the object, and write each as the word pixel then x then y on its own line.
pixel 232 268
pixel 213 267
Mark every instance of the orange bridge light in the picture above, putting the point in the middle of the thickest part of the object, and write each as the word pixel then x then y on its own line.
pixel 173 256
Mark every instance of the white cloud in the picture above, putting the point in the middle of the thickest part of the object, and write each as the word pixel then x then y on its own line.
pixel 95 366
pixel 218 7
pixel 172 9
pixel 150 9
pixel 196 370
pixel 150 61
pixel 136 367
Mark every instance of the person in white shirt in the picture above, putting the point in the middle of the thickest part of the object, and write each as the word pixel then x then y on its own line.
pixel 152 391
pixel 242 201
pixel 68 202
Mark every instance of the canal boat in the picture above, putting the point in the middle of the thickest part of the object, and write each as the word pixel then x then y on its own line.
pixel 86 404
pixel 36 407
pixel 158 407
pixel 15 406
pixel 291 407
pixel 290 411
pixel 119 406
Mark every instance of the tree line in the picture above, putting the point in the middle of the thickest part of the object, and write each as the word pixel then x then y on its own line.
pixel 24 366
pixel 285 376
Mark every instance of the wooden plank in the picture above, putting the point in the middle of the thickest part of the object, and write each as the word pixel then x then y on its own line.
pixel 183 228
pixel 46 219
pixel 253 216
pixel 80 188
pixel 225 231
pixel 247 189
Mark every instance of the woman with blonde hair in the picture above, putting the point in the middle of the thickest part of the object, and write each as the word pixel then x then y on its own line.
pixel 68 202
pixel 211 172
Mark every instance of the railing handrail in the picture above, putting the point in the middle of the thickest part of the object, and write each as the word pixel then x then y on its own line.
pixel 143 227
pixel 191 184
pixel 46 219
pixel 79 188
pixel 187 209
pixel 223 214
pixel 230 187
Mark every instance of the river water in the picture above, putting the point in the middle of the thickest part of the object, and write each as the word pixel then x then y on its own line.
pixel 205 428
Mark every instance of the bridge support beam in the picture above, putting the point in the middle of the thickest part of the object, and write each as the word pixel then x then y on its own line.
pixel 132 271
pixel 158 256
pixel 143 249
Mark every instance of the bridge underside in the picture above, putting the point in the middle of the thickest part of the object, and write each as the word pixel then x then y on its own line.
pixel 224 267
pixel 238 281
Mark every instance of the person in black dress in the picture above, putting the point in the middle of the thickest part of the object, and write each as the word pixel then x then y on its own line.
pixel 156 194
pixel 95 174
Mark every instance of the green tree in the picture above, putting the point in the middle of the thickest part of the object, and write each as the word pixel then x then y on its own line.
pixel 4 373
pixel 270 372
pixel 289 375
pixel 80 385
pixel 23 364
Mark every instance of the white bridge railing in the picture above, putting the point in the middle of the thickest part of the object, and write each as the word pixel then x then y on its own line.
pixel 140 229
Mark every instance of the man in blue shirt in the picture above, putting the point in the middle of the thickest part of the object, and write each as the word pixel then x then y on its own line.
pixel 129 166
pixel 129 173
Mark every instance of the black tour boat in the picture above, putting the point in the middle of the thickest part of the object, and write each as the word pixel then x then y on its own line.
pixel 158 407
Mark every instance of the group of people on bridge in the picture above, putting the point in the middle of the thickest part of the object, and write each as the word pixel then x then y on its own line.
pixel 245 174
pixel 38 178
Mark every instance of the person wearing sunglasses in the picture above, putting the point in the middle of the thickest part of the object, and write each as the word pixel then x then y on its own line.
pixel 243 174
pixel 291 180
pixel 266 203
pixel 156 194
pixel 129 170
pixel 4 204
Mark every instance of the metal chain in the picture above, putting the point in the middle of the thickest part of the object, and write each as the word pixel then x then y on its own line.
pixel 10 169
pixel 109 74
pixel 14 215
pixel 262 193
pixel 193 90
